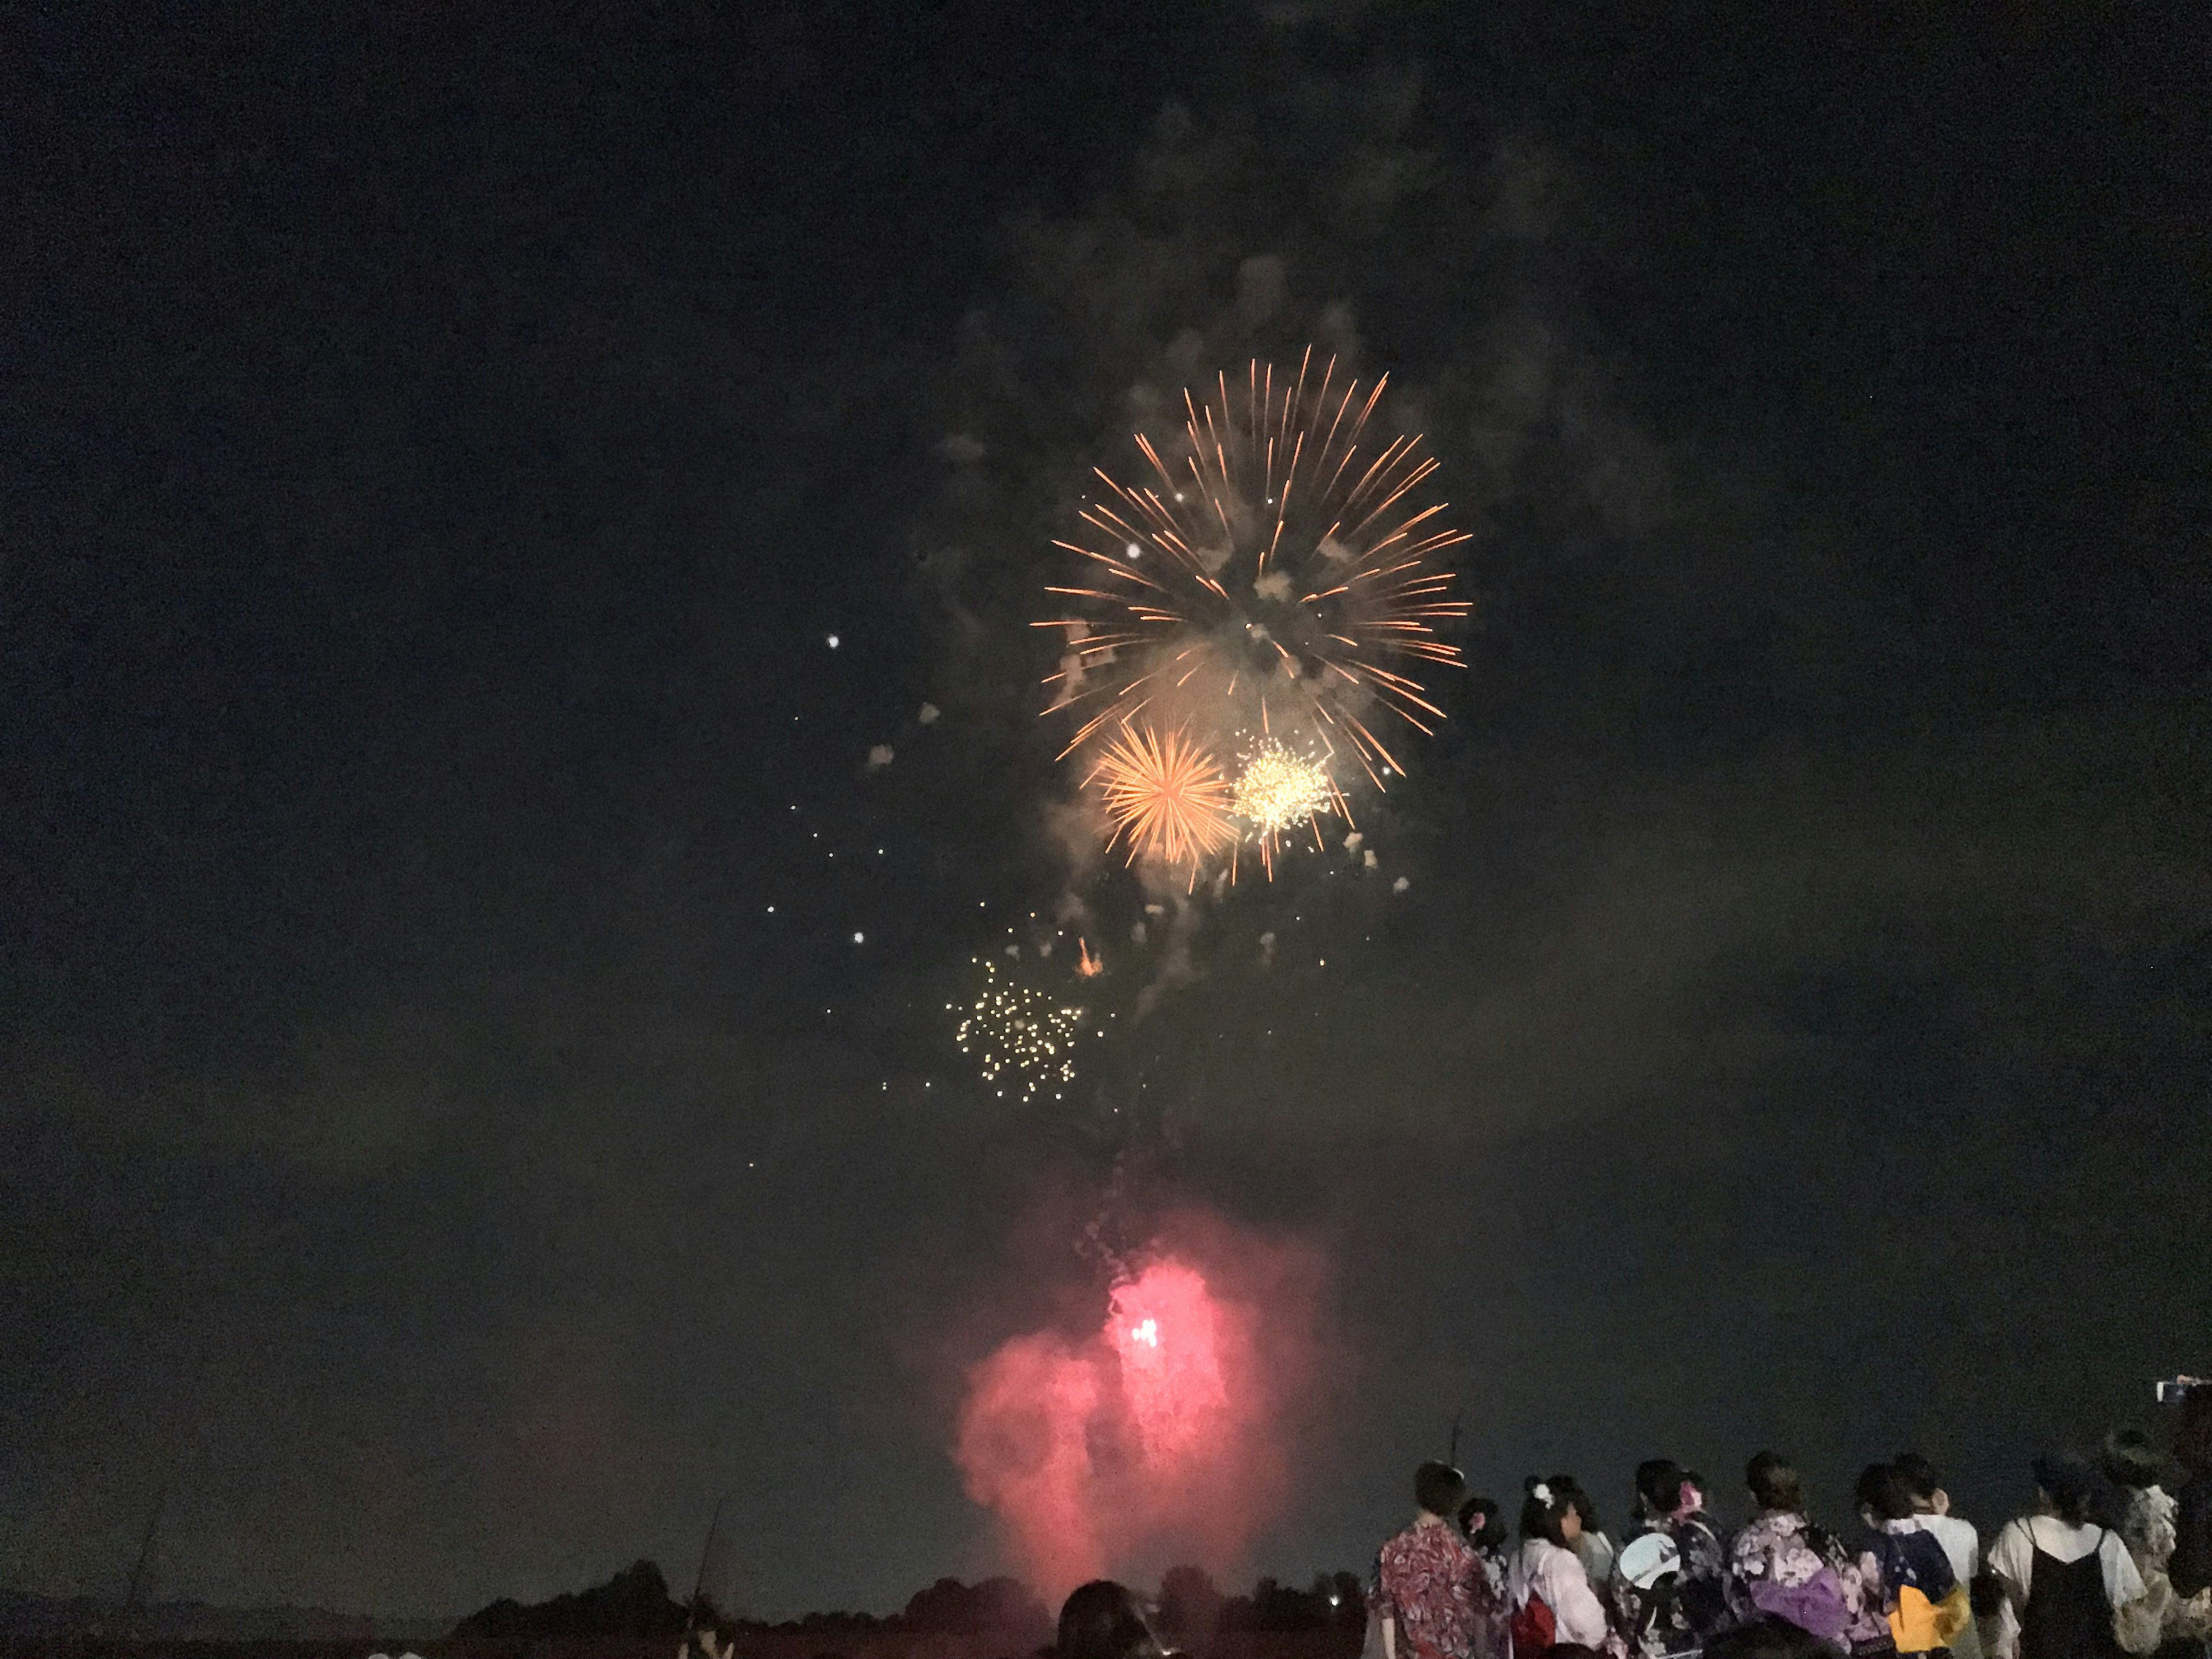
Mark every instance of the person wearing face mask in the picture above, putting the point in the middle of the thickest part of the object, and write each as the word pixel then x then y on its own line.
pixel 1923 1600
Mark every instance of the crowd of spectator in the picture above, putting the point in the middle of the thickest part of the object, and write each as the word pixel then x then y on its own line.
pixel 2107 1565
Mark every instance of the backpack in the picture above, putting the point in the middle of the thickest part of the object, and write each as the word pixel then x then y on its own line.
pixel 1532 1628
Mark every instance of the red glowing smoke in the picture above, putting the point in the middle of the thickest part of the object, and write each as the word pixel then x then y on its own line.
pixel 1160 1435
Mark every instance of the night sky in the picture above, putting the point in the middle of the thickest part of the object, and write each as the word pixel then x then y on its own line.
pixel 475 1078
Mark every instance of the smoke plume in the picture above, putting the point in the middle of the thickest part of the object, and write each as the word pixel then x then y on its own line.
pixel 1159 1435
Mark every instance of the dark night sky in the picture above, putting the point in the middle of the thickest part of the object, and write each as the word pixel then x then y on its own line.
pixel 438 444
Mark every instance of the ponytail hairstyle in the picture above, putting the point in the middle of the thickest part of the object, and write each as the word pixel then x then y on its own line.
pixel 1542 1510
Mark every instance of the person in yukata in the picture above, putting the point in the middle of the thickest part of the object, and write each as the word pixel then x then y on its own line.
pixel 1923 1599
pixel 1669 1591
pixel 1485 1530
pixel 1931 1508
pixel 1548 1595
pixel 1782 1567
pixel 2134 1467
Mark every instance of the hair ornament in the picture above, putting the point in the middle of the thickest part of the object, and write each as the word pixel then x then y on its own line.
pixel 1540 1492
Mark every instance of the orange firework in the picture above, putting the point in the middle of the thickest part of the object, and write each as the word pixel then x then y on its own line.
pixel 1274 570
pixel 1166 796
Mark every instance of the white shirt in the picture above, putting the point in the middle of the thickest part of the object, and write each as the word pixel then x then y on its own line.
pixel 1960 1541
pixel 1543 1569
pixel 2012 1558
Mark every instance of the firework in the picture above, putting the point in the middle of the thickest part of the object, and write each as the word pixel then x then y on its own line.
pixel 1022 1041
pixel 1166 796
pixel 1270 570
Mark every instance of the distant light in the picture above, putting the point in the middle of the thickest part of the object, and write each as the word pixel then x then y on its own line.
pixel 832 641
pixel 859 939
pixel 771 909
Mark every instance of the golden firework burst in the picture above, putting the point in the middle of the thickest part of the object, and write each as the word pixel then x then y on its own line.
pixel 1278 789
pixel 1166 797
pixel 1273 570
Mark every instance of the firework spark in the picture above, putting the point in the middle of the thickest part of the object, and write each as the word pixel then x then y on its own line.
pixel 1166 796
pixel 1278 790
pixel 1022 1041
pixel 1271 570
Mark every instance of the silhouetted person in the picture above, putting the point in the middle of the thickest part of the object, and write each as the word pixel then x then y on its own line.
pixel 2189 1567
pixel 1103 1620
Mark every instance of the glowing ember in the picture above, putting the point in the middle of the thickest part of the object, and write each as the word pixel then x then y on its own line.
pixel 1019 1037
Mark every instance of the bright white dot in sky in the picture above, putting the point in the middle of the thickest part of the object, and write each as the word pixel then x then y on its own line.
pixel 771 909
pixel 832 641
pixel 1134 551
pixel 859 939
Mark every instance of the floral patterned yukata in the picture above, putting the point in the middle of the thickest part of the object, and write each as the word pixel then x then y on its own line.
pixel 1432 1584
pixel 1781 1565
